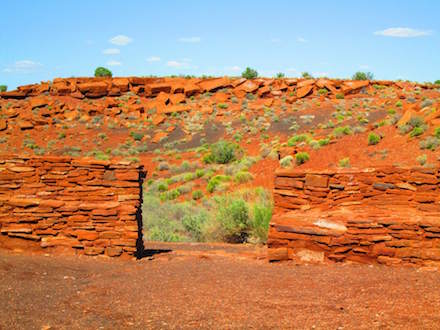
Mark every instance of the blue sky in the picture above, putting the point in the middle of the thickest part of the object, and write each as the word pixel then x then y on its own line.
pixel 41 40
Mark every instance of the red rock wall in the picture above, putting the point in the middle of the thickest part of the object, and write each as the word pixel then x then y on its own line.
pixel 90 206
pixel 388 215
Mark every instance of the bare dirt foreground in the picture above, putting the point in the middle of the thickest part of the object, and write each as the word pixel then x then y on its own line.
pixel 215 287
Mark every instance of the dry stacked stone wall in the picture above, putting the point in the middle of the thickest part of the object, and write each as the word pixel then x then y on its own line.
pixel 92 207
pixel 387 215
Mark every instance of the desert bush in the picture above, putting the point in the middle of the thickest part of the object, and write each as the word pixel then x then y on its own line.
pixel 233 217
pixel 163 166
pixel 339 96
pixel 222 152
pixel 422 159
pixel 362 76
pixel 286 161
pixel 243 177
pixel 373 139
pixel 3 88
pixel 197 194
pixel 301 158
pixel 222 106
pixel 215 182
pixel 430 143
pixel 437 132
pixel 342 130
pixel 437 82
pixel 249 73
pixel 193 224
pixel 102 72
pixel 169 195
pixel 162 186
pixel 344 162
pixel 280 75
pixel 306 75
pixel 137 136
pixel 416 131
pixel 297 138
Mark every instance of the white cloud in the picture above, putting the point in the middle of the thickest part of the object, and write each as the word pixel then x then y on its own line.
pixel 111 51
pixel 320 74
pixel 301 39
pixel 403 32
pixel 183 64
pixel 234 68
pixel 190 39
pixel 23 66
pixel 176 64
pixel 153 59
pixel 114 63
pixel 120 40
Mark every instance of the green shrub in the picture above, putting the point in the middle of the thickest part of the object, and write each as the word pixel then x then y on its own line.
pixel 137 136
pixel 430 143
pixel 102 72
pixel 323 142
pixel 249 73
pixel 260 221
pixel 342 130
pixel 193 224
pixel 373 139
pixel 169 195
pixel 222 152
pixel 418 130
pixel 399 104
pixel 215 181
pixel 163 166
pixel 297 138
pixel 243 177
pixel 197 194
pixel 233 217
pixel 3 88
pixel 339 96
pixel 362 76
pixel 280 75
pixel 286 161
pixel 437 82
pixel 437 132
pixel 306 75
pixel 416 121
pixel 301 158
pixel 162 186
pixel 323 91
pixel 422 159
pixel 222 106
pixel 344 162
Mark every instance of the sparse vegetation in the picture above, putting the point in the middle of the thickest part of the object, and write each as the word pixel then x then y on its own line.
pixel 3 88
pixel 102 72
pixel 344 162
pixel 373 139
pixel 222 152
pixel 286 161
pixel 249 73
pixel 301 158
pixel 363 76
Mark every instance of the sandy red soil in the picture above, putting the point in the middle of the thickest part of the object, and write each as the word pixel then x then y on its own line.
pixel 211 288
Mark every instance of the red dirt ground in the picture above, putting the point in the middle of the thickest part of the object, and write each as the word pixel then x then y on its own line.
pixel 211 288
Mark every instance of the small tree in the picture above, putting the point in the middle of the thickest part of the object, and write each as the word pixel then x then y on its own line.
pixel 306 75
pixel 280 75
pixel 363 76
pixel 437 82
pixel 249 73
pixel 102 72
pixel 3 88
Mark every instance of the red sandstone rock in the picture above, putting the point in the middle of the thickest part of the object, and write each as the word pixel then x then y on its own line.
pixel 93 89
pixel 304 91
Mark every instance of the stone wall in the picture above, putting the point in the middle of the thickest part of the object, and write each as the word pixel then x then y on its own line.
pixel 90 206
pixel 388 215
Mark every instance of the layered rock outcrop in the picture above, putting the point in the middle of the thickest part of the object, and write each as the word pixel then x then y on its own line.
pixel 90 206
pixel 388 215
